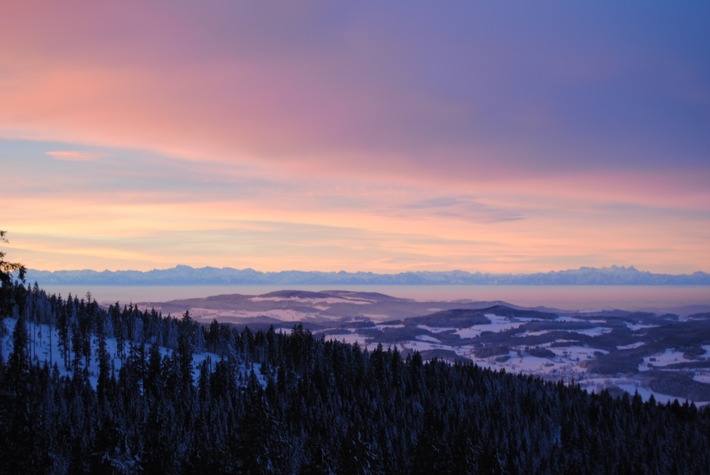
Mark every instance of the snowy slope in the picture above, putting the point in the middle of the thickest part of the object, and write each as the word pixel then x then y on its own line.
pixel 43 348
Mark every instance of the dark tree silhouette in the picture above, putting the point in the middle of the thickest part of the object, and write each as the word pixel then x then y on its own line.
pixel 7 269
pixel 7 288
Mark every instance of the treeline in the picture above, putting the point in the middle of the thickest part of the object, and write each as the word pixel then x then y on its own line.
pixel 303 405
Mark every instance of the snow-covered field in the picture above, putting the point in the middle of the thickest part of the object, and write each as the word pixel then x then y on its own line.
pixel 668 357
pixel 498 324
pixel 436 329
pixel 631 346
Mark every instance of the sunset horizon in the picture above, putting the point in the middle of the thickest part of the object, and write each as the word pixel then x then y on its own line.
pixel 612 267
pixel 364 138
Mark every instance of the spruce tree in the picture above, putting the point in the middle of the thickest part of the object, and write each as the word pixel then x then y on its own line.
pixel 19 359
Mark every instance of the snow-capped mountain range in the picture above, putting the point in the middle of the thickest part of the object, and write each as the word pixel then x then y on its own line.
pixel 186 275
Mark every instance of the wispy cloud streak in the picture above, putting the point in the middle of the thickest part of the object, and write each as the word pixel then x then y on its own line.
pixel 75 156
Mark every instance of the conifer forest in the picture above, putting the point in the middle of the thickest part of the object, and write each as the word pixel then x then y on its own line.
pixel 134 391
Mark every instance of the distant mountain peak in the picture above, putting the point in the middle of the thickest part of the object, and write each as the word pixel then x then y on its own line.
pixel 187 275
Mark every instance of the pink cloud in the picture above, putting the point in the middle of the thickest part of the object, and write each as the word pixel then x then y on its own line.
pixel 75 156
pixel 285 87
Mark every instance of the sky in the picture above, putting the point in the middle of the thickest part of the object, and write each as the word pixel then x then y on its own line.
pixel 359 136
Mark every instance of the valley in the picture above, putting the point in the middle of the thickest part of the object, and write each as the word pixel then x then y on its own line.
pixel 666 356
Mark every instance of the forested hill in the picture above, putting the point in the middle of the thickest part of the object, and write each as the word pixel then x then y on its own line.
pixel 125 395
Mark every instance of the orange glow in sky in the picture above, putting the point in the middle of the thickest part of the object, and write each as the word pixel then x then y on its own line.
pixel 358 137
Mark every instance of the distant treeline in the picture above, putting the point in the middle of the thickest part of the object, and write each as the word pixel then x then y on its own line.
pixel 303 405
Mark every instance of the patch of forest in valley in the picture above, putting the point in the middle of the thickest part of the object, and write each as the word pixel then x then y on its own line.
pixel 88 389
